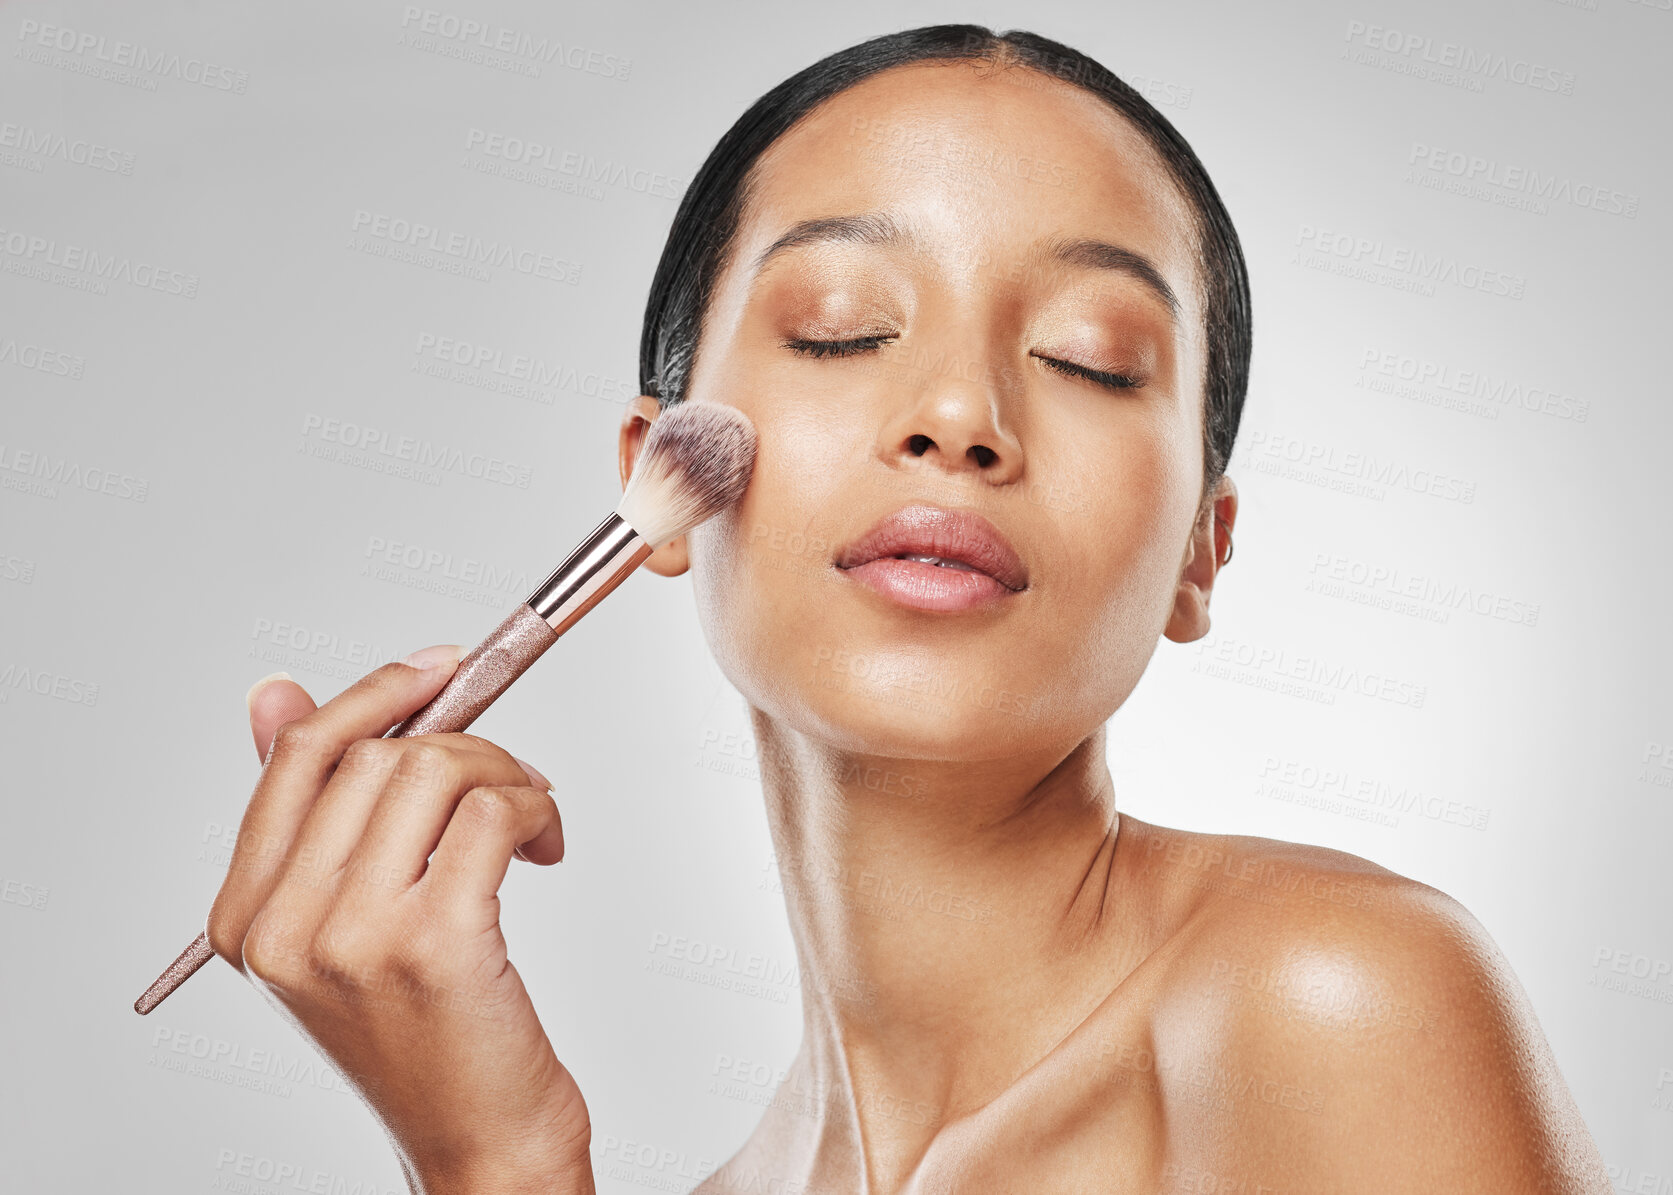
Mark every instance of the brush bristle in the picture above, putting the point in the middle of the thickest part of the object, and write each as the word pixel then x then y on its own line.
pixel 695 462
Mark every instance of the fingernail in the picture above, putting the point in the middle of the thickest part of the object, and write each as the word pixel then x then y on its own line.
pixel 442 656
pixel 250 697
pixel 534 774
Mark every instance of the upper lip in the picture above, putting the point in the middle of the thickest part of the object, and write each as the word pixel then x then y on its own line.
pixel 922 530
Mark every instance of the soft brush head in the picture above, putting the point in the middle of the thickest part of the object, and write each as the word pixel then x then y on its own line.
pixel 695 462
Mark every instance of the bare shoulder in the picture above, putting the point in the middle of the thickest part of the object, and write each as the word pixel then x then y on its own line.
pixel 1328 1019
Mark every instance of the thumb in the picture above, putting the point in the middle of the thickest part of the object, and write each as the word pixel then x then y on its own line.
pixel 274 700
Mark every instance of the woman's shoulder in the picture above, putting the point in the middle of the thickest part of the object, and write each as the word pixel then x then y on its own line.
pixel 1356 1013
pixel 1286 938
pixel 1268 895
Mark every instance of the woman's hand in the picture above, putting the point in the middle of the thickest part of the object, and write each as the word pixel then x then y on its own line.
pixel 390 959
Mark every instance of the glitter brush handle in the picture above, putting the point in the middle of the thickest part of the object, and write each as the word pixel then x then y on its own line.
pixel 601 563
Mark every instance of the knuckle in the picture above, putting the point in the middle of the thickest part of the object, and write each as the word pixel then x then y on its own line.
pixel 489 808
pixel 393 677
pixel 269 951
pixel 226 933
pixel 424 764
pixel 477 745
pixel 341 954
pixel 299 738
pixel 367 755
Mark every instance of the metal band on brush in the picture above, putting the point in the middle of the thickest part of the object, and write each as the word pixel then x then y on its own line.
pixel 605 557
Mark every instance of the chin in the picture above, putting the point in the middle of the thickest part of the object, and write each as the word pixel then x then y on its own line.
pixel 932 733
pixel 930 713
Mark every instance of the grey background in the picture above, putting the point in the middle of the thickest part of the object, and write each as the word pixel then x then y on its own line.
pixel 173 525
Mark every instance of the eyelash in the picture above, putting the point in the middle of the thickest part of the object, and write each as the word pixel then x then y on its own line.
pixel 835 348
pixel 845 348
pixel 1112 381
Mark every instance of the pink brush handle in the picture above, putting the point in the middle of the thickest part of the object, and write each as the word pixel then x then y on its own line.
pixel 480 678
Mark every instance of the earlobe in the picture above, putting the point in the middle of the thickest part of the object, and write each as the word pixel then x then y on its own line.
pixel 672 559
pixel 1206 552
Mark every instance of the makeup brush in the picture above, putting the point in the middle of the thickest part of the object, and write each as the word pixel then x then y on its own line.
pixel 695 462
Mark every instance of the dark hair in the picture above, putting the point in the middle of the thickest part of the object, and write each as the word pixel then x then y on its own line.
pixel 706 222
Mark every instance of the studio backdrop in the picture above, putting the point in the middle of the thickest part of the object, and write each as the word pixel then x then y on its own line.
pixel 317 322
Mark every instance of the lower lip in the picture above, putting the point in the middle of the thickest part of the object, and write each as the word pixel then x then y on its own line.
pixel 922 586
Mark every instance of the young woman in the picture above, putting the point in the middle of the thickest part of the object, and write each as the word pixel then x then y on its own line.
pixel 991 321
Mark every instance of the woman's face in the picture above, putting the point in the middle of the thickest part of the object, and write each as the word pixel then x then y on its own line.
pixel 985 334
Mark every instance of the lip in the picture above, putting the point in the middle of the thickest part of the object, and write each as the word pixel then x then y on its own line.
pixel 992 570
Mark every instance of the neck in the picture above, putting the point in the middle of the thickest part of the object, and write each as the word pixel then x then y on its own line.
pixel 946 918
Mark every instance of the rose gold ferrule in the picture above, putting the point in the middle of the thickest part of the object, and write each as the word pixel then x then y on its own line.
pixel 603 560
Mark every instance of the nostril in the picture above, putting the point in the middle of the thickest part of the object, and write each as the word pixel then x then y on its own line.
pixel 983 454
pixel 919 444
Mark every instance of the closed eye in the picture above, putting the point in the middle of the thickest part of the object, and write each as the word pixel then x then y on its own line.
pixel 1114 381
pixel 837 348
pixel 845 348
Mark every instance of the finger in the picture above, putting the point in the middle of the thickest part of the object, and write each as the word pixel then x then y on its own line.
pixel 474 854
pixel 274 700
pixel 433 773
pixel 337 819
pixel 304 752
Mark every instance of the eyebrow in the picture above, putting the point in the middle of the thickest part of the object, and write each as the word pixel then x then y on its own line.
pixel 1092 254
pixel 878 228
pixel 872 228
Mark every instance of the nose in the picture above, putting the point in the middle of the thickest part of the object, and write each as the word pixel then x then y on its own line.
pixel 957 424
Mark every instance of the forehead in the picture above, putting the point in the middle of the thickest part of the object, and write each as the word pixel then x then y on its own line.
pixel 986 161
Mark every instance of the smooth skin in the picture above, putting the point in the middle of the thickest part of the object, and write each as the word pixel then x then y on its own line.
pixel 1009 985
pixel 361 900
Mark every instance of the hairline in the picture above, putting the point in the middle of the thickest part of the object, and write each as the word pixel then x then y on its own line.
pixel 742 208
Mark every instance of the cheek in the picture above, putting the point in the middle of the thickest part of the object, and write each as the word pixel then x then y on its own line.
pixel 1124 540
pixel 760 570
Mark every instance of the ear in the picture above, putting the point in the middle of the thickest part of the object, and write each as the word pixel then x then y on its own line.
pixel 1210 543
pixel 671 559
